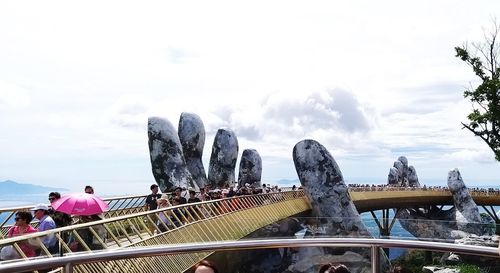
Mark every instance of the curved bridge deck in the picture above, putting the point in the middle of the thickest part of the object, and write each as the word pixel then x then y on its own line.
pixel 367 199
pixel 218 220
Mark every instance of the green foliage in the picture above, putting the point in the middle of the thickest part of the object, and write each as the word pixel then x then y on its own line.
pixel 484 120
pixel 468 268
pixel 414 260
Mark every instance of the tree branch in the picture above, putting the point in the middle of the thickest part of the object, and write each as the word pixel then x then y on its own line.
pixel 474 132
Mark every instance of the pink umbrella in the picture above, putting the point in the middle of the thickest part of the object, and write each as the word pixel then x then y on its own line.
pixel 80 204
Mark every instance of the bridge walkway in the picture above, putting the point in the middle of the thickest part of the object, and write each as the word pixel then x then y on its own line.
pixel 211 221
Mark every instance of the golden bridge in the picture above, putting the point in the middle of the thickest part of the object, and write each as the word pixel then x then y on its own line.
pixel 127 224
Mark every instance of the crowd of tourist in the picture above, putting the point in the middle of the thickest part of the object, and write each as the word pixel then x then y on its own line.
pixel 181 195
pixel 389 187
pixel 46 219
pixel 42 217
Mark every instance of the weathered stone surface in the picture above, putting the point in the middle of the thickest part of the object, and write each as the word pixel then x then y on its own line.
pixel 450 259
pixel 439 269
pixel 429 224
pixel 223 159
pixel 400 167
pixel 400 174
pixel 192 138
pixel 167 160
pixel 355 262
pixel 322 180
pixel 412 177
pixel 250 170
pixel 468 218
pixel 336 214
pixel 404 161
pixel 393 177
pixel 484 240
pixel 458 222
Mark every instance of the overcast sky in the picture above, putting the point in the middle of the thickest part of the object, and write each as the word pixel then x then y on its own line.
pixel 370 80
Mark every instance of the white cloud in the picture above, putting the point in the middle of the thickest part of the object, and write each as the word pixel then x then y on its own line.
pixel 13 96
pixel 368 80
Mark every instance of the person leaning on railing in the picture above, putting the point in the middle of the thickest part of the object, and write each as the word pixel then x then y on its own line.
pixel 60 218
pixel 45 222
pixel 87 236
pixel 23 227
pixel 177 214
pixel 164 216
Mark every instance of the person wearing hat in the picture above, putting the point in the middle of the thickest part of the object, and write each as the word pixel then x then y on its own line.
pixel 45 222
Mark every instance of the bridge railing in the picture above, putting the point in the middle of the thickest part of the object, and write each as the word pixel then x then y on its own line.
pixel 153 258
pixel 121 205
pixel 472 191
pixel 216 220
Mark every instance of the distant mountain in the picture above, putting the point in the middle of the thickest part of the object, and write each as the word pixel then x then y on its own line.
pixel 12 187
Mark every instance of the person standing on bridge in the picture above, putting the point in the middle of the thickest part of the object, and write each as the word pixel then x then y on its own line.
pixel 178 194
pixel 152 204
pixel 163 217
pixel 22 227
pixel 151 199
pixel 89 189
pixel 60 218
pixel 45 222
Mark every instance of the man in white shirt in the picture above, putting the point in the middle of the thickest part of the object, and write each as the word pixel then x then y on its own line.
pixel 46 223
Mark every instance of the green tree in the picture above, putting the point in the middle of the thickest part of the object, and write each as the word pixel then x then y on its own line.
pixel 484 120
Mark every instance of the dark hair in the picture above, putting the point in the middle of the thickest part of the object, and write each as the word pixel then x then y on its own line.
pixel 153 186
pixel 95 217
pixel 45 212
pixel 207 264
pixel 55 194
pixel 333 268
pixel 89 187
pixel 26 215
pixel 400 269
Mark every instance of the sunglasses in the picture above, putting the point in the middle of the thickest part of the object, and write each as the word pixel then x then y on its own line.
pixel 18 218
pixel 52 198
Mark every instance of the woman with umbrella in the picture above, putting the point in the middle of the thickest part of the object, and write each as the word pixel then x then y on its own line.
pixel 86 235
pixel 89 208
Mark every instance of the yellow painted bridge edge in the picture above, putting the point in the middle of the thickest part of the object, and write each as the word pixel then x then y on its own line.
pixel 231 226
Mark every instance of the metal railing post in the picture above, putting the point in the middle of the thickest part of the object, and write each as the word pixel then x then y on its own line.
pixel 375 259
pixel 68 268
